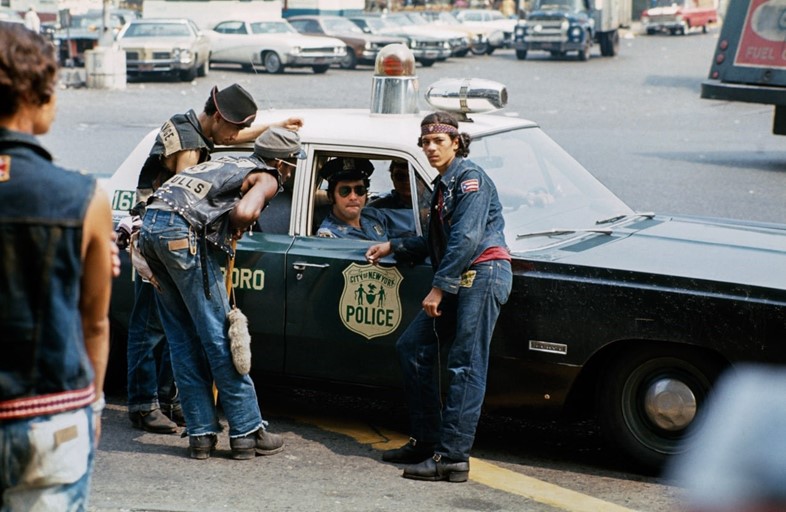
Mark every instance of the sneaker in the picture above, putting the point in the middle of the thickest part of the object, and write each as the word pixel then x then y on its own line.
pixel 152 421
pixel 200 447
pixel 410 453
pixel 175 413
pixel 260 442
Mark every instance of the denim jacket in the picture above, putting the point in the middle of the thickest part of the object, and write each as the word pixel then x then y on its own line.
pixel 42 211
pixel 470 222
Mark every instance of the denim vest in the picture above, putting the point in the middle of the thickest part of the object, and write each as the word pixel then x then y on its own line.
pixel 42 211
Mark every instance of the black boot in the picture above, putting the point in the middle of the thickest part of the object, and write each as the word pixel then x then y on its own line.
pixel 439 468
pixel 410 453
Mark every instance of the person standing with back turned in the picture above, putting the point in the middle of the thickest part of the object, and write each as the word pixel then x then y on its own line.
pixel 472 280
pixel 55 281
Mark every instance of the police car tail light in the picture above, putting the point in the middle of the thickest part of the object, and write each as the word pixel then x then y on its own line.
pixel 394 87
pixel 464 96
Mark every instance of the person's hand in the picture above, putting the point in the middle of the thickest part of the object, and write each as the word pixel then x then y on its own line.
pixel 431 303
pixel 377 252
pixel 293 123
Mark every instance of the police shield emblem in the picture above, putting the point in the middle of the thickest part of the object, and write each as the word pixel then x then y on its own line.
pixel 370 304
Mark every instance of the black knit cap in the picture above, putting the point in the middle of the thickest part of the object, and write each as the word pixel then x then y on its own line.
pixel 235 105
pixel 341 169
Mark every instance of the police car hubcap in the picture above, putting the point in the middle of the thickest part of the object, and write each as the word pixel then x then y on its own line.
pixel 670 404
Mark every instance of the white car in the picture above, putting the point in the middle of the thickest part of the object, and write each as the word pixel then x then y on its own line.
pixel 484 39
pixel 489 19
pixel 172 46
pixel 274 45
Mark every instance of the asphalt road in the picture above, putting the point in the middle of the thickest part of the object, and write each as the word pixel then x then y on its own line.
pixel 636 121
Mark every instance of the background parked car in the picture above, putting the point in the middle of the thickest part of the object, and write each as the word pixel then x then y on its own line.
pixel 483 40
pixel 362 48
pixel 427 49
pixel 679 16
pixel 414 23
pixel 488 18
pixel 274 45
pixel 164 46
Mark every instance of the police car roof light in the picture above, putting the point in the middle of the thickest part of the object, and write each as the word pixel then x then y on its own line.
pixel 466 95
pixel 395 60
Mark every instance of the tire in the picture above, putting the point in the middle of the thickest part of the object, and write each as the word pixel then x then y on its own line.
pixel 350 61
pixel 639 435
pixel 462 53
pixel 321 69
pixel 272 63
pixel 584 53
pixel 521 54
pixel 480 49
pixel 609 43
pixel 204 69
pixel 490 50
pixel 187 75
pixel 427 63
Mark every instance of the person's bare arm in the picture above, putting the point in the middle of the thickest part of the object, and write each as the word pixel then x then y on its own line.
pixel 252 132
pixel 258 188
pixel 185 159
pixel 96 284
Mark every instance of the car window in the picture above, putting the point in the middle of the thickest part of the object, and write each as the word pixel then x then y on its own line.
pixel 380 185
pixel 231 27
pixel 271 27
pixel 341 25
pixel 157 30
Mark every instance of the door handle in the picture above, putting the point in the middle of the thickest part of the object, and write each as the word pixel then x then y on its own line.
pixel 300 267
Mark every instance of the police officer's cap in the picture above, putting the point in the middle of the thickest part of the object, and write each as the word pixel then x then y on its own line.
pixel 235 104
pixel 280 143
pixel 343 169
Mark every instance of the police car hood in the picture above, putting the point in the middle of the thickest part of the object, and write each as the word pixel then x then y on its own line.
pixel 692 248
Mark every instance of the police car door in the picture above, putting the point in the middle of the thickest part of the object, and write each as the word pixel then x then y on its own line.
pixel 343 314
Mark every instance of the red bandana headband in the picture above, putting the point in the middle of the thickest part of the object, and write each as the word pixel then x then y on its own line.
pixel 438 128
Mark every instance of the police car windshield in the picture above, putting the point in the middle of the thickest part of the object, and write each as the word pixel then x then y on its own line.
pixel 541 186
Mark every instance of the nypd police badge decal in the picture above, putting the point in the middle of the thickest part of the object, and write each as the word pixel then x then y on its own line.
pixel 370 303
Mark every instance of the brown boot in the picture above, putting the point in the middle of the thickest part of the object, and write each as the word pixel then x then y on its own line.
pixel 152 421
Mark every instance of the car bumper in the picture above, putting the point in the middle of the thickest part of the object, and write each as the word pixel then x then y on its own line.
pixel 549 46
pixel 664 25
pixel 314 60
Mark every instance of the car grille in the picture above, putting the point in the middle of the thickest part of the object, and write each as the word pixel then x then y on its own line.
pixel 326 49
pixel 147 55
pixel 428 45
pixel 662 18
pixel 549 29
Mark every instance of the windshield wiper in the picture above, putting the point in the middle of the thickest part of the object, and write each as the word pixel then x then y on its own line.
pixel 557 232
pixel 622 216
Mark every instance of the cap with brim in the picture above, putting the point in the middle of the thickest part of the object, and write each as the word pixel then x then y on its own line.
pixel 341 169
pixel 235 105
pixel 278 143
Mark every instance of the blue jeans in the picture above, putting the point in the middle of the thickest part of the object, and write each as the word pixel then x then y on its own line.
pixel 46 462
pixel 148 382
pixel 196 327
pixel 465 327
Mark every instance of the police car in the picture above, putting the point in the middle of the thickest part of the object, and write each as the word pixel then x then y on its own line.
pixel 630 316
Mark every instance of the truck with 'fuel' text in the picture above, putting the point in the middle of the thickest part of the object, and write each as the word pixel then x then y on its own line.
pixel 749 63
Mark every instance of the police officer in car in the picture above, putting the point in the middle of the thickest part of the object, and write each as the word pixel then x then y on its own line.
pixel 348 182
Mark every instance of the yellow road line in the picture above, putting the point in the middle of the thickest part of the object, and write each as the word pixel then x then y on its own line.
pixel 483 472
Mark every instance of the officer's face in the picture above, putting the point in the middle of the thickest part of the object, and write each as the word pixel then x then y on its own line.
pixel 440 149
pixel 348 207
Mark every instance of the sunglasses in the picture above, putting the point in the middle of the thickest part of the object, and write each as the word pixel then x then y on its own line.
pixel 287 163
pixel 400 176
pixel 345 190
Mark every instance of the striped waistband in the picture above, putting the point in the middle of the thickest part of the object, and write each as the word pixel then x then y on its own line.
pixel 42 405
